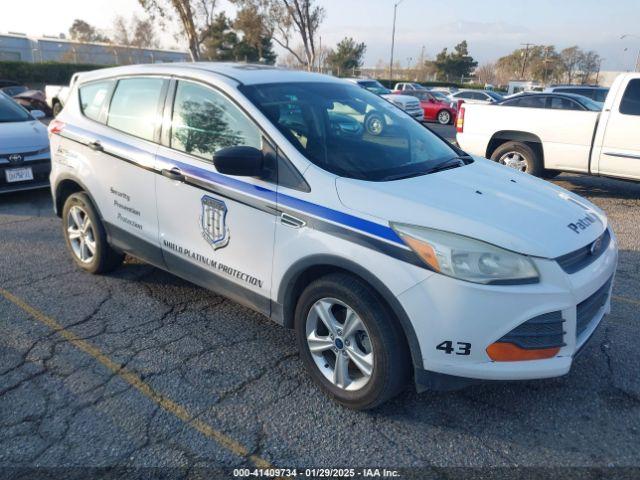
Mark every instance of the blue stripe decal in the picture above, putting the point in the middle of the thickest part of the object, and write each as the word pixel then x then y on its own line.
pixel 357 223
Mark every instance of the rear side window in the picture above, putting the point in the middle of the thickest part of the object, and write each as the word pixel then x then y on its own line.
pixel 559 103
pixel 135 106
pixel 630 104
pixel 93 97
pixel 204 121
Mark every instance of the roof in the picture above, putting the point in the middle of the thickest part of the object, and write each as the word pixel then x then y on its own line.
pixel 244 73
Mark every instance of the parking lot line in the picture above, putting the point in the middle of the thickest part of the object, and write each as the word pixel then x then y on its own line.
pixel 625 299
pixel 134 380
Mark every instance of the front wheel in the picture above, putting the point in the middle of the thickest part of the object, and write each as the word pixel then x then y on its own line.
pixel 85 236
pixel 444 117
pixel 349 343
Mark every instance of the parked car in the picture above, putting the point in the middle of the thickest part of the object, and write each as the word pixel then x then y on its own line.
pixel 56 95
pixel 442 96
pixel 407 87
pixel 394 257
pixel 404 102
pixel 435 109
pixel 476 96
pixel 446 90
pixel 25 161
pixel 28 98
pixel 557 101
pixel 594 92
pixel 544 141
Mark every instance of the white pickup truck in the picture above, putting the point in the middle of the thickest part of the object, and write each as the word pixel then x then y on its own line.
pixel 56 95
pixel 544 141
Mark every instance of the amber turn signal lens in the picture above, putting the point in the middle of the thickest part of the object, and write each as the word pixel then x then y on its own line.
pixel 508 352
pixel 424 250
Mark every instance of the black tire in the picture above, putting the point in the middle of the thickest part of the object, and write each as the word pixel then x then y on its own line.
pixel 57 108
pixel 106 258
pixel 532 159
pixel 551 173
pixel 443 117
pixel 391 364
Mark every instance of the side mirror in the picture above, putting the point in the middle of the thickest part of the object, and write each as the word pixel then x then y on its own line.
pixel 241 161
pixel 37 114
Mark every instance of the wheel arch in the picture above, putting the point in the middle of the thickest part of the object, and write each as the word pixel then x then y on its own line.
pixel 67 186
pixel 305 271
pixel 503 136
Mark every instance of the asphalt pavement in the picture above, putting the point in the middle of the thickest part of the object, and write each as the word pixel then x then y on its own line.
pixel 141 369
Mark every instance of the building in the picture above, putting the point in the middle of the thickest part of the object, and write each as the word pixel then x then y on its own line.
pixel 19 47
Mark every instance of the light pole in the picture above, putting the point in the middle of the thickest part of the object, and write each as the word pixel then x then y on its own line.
pixel 393 37
pixel 627 35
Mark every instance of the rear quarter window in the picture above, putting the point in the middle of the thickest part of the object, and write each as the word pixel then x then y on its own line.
pixel 93 97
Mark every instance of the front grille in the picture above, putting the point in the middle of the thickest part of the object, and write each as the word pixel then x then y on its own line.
pixel 589 308
pixel 413 105
pixel 543 331
pixel 577 260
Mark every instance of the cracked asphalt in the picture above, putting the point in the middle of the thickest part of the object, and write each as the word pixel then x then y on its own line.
pixel 142 369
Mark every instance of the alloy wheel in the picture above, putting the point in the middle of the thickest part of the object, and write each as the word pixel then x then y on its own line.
pixel 81 234
pixel 340 344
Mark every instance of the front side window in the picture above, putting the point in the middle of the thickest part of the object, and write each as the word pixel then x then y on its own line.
pixel 349 131
pixel 204 121
pixel 559 103
pixel 630 104
pixel 93 97
pixel 135 106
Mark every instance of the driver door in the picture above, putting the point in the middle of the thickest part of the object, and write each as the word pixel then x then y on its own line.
pixel 216 230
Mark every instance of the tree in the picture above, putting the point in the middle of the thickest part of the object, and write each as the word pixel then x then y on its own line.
pixel 347 56
pixel 571 58
pixel 457 64
pixel 543 63
pixel 286 19
pixel 589 64
pixel 135 33
pixel 486 73
pixel 221 40
pixel 196 18
pixel 81 31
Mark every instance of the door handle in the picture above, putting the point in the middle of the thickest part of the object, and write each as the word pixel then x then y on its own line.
pixel 96 146
pixel 173 173
pixel 291 221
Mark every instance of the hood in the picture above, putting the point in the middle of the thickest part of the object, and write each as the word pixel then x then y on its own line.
pixel 400 99
pixel 486 201
pixel 15 136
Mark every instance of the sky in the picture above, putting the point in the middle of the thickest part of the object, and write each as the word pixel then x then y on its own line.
pixel 492 28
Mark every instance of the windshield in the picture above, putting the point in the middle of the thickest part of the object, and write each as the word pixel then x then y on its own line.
pixel 11 91
pixel 349 131
pixel 10 111
pixel 440 96
pixel 375 87
pixel 496 96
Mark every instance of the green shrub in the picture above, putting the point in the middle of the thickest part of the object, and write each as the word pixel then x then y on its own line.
pixel 43 73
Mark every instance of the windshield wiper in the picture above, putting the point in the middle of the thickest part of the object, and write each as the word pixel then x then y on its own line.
pixel 446 165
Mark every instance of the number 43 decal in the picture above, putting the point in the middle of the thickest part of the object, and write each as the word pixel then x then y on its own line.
pixel 461 348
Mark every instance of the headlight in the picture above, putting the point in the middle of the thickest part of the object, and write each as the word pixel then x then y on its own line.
pixel 467 259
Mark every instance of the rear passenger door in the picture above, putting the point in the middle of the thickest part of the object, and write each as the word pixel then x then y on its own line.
pixel 123 148
pixel 216 230
pixel 620 154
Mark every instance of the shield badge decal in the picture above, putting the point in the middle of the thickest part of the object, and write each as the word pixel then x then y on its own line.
pixel 213 221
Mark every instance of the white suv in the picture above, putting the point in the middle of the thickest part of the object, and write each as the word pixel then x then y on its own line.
pixel 393 255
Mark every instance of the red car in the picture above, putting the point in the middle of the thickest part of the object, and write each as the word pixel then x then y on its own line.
pixel 435 109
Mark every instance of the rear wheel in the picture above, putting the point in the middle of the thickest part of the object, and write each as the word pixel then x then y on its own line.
pixel 85 236
pixel 349 343
pixel 57 108
pixel 519 156
pixel 444 117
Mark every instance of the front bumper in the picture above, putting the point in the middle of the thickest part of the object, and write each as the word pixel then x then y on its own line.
pixel 443 309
